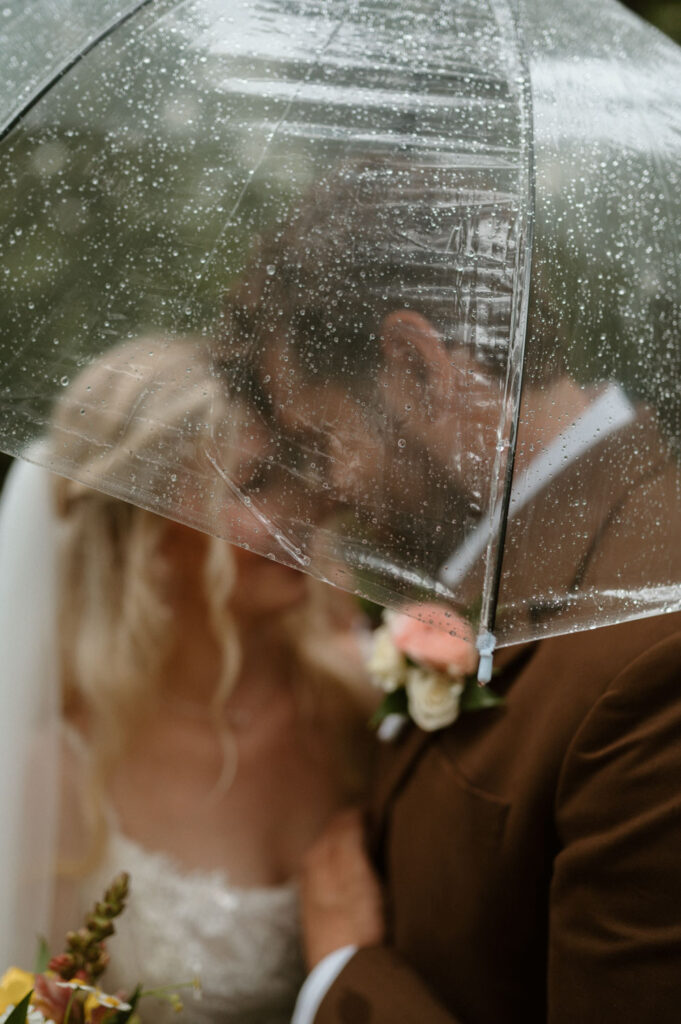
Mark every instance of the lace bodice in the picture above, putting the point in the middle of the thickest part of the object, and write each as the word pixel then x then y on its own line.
pixel 243 944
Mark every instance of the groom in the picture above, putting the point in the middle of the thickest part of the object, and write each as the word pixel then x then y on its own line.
pixel 524 864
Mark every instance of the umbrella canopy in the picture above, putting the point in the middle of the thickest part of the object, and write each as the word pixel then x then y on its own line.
pixel 388 294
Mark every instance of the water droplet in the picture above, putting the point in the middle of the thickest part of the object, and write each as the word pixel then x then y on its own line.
pixel 401 443
pixel 271 269
pixel 64 382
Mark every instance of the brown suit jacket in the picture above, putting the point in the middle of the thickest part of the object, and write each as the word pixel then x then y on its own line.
pixel 532 853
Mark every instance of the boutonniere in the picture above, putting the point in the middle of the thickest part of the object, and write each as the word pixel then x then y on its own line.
pixel 426 668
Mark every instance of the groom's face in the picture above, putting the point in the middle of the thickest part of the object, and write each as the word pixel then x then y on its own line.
pixel 426 417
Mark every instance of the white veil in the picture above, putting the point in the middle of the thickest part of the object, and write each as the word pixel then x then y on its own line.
pixel 29 712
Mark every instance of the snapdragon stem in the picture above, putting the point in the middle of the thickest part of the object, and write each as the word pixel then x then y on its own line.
pixel 69 1005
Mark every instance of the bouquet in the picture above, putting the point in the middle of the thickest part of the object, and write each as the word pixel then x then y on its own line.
pixel 64 988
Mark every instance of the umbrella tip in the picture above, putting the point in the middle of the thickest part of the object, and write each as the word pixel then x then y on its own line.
pixel 485 644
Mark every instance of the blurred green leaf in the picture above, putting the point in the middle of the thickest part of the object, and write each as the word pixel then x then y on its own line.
pixel 373 611
pixel 20 1011
pixel 42 956
pixel 394 703
pixel 477 698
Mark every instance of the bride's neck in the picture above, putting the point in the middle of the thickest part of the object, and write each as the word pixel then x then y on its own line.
pixel 195 661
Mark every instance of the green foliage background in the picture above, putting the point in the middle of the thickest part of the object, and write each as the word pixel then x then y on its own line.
pixel 163 221
pixel 666 16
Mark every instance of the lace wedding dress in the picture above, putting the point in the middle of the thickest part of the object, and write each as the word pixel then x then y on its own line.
pixel 243 945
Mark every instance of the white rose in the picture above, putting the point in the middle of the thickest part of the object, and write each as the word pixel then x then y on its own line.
pixel 387 666
pixel 433 698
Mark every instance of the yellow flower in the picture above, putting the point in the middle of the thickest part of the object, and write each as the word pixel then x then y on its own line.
pixel 14 985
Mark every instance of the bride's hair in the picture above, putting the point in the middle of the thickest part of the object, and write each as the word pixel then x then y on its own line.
pixel 136 416
pixel 147 412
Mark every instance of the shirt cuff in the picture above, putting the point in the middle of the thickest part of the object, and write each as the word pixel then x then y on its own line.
pixel 318 983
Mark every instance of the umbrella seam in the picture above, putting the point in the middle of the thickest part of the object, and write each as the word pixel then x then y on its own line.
pixel 517 339
pixel 17 118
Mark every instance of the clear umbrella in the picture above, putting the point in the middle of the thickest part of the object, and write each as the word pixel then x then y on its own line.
pixel 422 268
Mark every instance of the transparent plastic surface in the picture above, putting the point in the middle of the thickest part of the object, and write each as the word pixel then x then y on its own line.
pixel 288 245
pixel 257 260
pixel 594 528
pixel 39 38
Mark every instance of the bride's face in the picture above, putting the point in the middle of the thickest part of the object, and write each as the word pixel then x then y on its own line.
pixel 262 586
pixel 271 518
pixel 258 518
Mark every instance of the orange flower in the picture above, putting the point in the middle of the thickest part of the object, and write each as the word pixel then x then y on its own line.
pixel 52 999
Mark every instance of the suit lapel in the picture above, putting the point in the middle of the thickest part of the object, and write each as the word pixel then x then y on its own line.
pixel 396 760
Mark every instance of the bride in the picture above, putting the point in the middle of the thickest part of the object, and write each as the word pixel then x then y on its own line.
pixel 211 718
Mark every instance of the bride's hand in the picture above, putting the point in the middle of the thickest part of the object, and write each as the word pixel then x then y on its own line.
pixel 342 903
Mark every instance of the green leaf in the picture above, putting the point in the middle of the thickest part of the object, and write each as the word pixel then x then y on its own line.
pixel 20 1011
pixel 42 956
pixel 373 611
pixel 477 698
pixel 394 703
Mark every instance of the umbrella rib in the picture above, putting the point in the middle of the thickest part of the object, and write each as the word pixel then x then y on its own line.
pixel 16 119
pixel 515 380
pixel 275 531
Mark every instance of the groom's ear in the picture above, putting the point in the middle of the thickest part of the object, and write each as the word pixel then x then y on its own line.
pixel 411 343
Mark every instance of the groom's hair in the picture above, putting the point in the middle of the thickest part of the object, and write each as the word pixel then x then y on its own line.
pixel 371 236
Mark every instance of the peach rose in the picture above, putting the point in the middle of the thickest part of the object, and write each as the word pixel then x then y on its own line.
pixel 438 638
